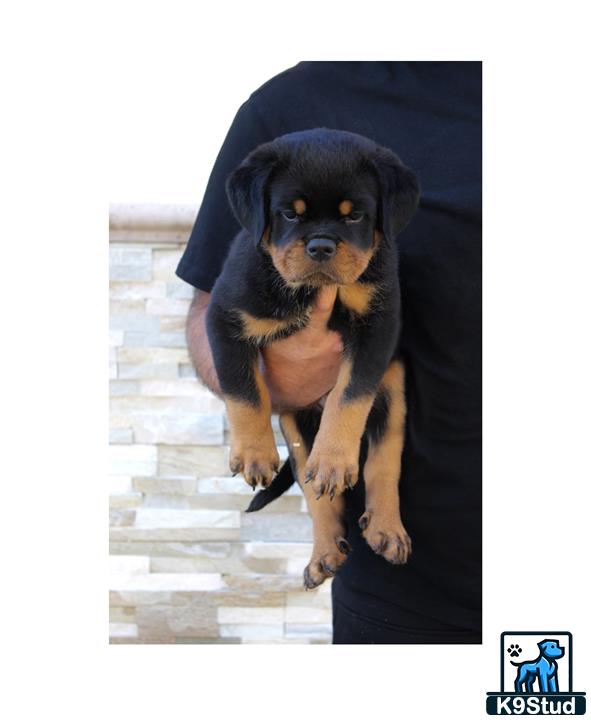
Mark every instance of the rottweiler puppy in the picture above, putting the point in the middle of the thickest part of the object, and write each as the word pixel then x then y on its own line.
pixel 319 207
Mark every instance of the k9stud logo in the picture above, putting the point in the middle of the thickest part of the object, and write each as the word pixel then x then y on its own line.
pixel 536 676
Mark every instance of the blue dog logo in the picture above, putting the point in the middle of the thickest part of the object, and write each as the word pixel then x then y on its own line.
pixel 544 668
pixel 531 687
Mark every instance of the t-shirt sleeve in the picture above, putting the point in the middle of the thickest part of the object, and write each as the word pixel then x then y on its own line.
pixel 216 226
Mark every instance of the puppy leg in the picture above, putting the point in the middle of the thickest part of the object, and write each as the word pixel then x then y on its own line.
pixel 333 465
pixel 252 443
pixel 330 546
pixel 381 523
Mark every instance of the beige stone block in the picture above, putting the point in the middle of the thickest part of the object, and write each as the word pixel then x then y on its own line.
pixel 122 614
pixel 129 564
pixel 180 290
pixel 167 306
pixel 164 265
pixel 218 501
pixel 175 324
pixel 152 355
pixel 129 500
pixel 123 630
pixel 169 502
pixel 127 307
pixel 274 527
pixel 253 633
pixel 247 598
pixel 301 615
pixel 141 371
pixel 187 370
pixel 120 436
pixel 261 615
pixel 191 534
pixel 137 290
pixel 275 641
pixel 121 517
pixel 164 420
pixel 154 518
pixel 225 566
pixel 296 565
pixel 165 583
pixel 224 484
pixel 165 485
pixel 144 324
pixel 204 400
pixel 118 388
pixel 263 583
pixel 169 550
pixel 194 461
pixel 309 598
pixel 318 632
pixel 193 620
pixel 130 263
pixel 133 460
pixel 301 550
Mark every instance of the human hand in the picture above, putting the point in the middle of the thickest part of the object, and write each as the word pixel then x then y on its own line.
pixel 302 368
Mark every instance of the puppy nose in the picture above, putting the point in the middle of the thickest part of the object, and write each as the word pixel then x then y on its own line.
pixel 321 248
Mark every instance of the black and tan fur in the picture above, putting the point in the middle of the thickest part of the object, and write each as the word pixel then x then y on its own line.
pixel 319 207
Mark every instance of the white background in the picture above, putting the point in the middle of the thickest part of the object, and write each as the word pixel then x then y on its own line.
pixel 93 93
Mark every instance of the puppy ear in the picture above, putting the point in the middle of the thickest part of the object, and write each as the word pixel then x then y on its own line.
pixel 399 193
pixel 246 190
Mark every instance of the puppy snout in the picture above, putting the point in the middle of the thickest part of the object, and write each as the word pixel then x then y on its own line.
pixel 321 248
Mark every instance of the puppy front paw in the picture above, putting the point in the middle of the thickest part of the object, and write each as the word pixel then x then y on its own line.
pixel 386 536
pixel 258 462
pixel 331 471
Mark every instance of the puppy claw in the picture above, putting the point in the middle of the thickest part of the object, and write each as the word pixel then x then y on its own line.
pixel 343 546
pixel 364 521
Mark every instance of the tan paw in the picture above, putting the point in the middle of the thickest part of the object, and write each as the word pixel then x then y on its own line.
pixel 258 463
pixel 325 561
pixel 386 536
pixel 331 472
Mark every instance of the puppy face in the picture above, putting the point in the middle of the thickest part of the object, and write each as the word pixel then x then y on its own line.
pixel 319 202
pixel 321 232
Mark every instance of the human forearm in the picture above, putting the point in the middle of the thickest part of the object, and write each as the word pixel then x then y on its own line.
pixel 198 342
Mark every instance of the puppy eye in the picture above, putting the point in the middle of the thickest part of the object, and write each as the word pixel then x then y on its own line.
pixel 355 216
pixel 290 215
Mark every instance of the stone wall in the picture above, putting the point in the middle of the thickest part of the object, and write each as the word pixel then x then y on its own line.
pixel 187 564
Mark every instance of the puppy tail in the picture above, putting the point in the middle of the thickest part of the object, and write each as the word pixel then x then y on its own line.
pixel 281 482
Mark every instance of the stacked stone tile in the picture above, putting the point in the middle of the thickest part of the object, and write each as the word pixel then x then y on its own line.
pixel 187 564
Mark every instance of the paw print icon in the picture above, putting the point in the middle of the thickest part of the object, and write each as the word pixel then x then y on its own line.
pixel 514 650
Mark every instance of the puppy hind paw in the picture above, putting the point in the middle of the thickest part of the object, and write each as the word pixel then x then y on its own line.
pixel 387 538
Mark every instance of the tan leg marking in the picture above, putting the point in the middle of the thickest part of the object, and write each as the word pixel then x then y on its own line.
pixel 252 443
pixel 357 297
pixel 381 523
pixel 330 546
pixel 263 329
pixel 333 465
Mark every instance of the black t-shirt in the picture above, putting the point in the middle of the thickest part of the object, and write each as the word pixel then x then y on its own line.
pixel 430 115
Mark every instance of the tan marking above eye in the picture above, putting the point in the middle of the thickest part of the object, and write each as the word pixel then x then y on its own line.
pixel 345 207
pixel 299 206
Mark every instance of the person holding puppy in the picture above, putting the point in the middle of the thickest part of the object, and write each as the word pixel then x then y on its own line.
pixel 429 114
